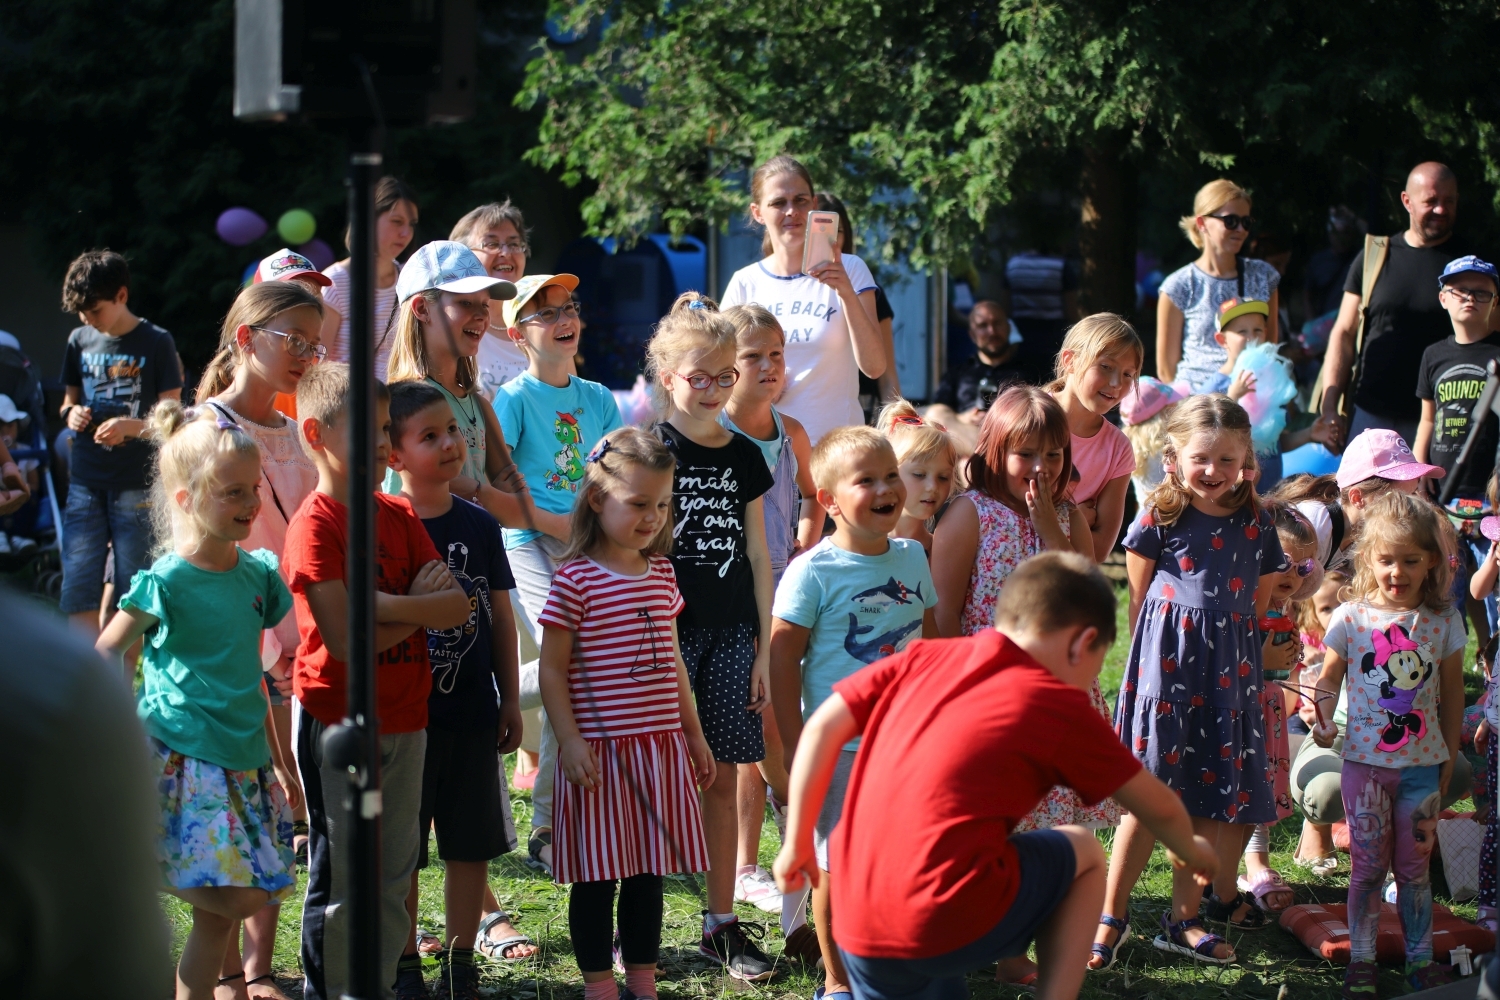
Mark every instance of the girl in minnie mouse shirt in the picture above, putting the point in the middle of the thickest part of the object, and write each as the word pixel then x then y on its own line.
pixel 1401 646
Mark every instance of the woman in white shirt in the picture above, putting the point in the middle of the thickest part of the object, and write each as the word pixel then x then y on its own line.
pixel 496 232
pixel 395 224
pixel 828 314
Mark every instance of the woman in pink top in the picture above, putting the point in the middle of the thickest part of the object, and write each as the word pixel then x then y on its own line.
pixel 1096 368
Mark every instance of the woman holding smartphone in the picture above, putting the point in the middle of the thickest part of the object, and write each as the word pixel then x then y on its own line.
pixel 828 313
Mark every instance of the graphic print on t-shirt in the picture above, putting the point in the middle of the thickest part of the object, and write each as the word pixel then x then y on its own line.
pixel 446 648
pixel 1401 667
pixel 567 465
pixel 1455 392
pixel 813 317
pixel 111 384
pixel 867 640
pixel 708 529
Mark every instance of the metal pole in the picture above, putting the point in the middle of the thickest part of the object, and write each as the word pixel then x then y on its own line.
pixel 363 801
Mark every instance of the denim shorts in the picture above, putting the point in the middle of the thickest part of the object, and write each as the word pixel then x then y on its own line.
pixel 1048 864
pixel 93 521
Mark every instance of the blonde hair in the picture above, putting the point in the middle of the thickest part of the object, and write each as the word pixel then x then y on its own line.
pixel 1404 519
pixel 409 360
pixel 834 450
pixel 191 442
pixel 1200 413
pixel 323 393
pixel 257 305
pixel 774 167
pixel 1148 438
pixel 1091 338
pixel 1210 198
pixel 693 326
pixel 750 318
pixel 913 437
pixel 621 448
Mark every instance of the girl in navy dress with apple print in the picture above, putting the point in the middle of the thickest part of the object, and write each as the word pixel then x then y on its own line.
pixel 1189 706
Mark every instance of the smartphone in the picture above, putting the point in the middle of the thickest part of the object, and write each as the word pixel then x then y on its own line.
pixel 821 245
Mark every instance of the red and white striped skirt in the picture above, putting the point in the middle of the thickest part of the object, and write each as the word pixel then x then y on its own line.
pixel 644 817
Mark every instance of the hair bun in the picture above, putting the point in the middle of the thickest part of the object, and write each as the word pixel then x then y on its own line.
pixel 694 300
pixel 167 418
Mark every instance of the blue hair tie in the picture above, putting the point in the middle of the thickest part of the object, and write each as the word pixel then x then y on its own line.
pixel 599 451
pixel 697 304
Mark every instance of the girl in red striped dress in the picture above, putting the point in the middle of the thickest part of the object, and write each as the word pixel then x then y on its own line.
pixel 616 692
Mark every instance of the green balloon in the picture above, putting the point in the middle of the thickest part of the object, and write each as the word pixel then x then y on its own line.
pixel 297 226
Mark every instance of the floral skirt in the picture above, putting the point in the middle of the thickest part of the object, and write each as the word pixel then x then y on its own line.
pixel 1063 807
pixel 222 828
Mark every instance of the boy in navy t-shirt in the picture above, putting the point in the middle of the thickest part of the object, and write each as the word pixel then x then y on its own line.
pixel 473 712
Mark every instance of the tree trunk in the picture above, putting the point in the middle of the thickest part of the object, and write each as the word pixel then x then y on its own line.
pixel 1106 237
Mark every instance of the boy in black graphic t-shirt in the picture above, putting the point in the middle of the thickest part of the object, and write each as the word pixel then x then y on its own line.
pixel 116 368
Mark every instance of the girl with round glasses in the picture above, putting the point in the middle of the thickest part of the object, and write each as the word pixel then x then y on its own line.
pixel 1188 309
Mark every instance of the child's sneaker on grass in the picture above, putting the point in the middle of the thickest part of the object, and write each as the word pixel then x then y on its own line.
pixel 1426 975
pixel 409 982
pixel 458 979
pixel 730 944
pixel 757 888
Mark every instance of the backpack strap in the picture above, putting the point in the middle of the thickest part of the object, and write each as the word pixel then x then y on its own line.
pixel 1336 539
pixel 1239 270
pixel 1377 248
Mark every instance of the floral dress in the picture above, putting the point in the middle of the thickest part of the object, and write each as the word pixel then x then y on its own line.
pixel 1007 539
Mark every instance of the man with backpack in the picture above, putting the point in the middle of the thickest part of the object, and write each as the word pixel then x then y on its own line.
pixel 1390 313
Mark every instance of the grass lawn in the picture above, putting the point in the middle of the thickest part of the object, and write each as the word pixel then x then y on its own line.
pixel 1268 959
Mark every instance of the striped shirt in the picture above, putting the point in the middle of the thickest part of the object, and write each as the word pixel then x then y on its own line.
pixel 623 676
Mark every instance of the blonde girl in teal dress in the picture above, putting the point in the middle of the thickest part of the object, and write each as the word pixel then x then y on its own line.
pixel 224 842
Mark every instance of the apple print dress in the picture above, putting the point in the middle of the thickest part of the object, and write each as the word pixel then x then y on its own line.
pixel 1190 703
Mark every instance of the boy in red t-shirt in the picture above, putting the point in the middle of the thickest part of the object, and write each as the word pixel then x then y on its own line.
pixel 1000 718
pixel 415 591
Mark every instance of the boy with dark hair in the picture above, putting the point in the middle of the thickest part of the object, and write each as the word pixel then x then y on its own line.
pixel 998 719
pixel 473 665
pixel 117 366
pixel 415 592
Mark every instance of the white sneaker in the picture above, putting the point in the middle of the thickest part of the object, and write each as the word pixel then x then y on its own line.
pixel 19 545
pixel 758 889
pixel 4 544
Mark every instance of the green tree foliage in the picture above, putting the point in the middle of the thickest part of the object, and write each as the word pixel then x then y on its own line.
pixel 119 132
pixel 959 106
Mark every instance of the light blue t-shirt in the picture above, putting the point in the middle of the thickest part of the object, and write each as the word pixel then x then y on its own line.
pixel 860 609
pixel 550 431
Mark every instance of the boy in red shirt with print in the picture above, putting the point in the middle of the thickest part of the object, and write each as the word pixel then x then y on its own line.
pixel 1001 717
pixel 415 591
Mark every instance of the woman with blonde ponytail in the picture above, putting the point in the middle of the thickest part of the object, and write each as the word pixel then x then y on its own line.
pixel 271 336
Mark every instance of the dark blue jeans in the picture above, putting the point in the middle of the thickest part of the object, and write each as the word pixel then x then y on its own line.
pixel 93 520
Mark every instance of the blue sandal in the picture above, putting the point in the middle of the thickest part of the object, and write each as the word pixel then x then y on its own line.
pixel 1108 952
pixel 1174 940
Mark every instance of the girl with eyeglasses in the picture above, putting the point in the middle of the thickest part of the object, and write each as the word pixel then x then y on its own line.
pixel 395 225
pixel 1188 309
pixel 723 566
pixel 268 340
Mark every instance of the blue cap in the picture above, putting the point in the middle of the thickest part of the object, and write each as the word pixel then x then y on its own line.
pixel 451 267
pixel 1469 265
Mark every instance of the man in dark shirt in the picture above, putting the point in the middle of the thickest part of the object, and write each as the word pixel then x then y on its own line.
pixel 1402 317
pixel 968 387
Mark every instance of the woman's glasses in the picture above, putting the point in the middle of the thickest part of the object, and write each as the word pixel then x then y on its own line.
pixel 725 379
pixel 514 249
pixel 1232 221
pixel 551 314
pixel 296 345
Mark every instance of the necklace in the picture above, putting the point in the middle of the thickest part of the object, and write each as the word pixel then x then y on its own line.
pixel 470 413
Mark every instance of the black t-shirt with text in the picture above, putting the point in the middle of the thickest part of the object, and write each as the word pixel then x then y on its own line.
pixel 1402 318
pixel 463 672
pixel 120 377
pixel 1452 376
pixel 711 488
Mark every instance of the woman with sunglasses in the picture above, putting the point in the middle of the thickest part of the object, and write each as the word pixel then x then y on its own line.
pixel 268 341
pixel 1187 312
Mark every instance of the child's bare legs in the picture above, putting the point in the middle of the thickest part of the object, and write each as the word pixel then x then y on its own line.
pixel 1129 857
pixel 217 912
pixel 1316 842
pixel 1257 860
pixel 750 809
pixel 773 768
pixel 1062 943
pixel 260 947
pixel 721 829
pixel 835 980
pixel 411 911
pixel 1188 894
pixel 503 929
pixel 464 883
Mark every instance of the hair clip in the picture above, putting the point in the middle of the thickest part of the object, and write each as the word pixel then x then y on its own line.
pixel 599 451
pixel 697 304
pixel 226 424
pixel 909 421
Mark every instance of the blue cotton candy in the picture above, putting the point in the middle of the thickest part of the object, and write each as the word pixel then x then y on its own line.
pixel 1274 388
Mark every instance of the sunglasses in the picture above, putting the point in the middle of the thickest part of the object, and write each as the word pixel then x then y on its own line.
pixel 296 345
pixel 908 421
pixel 700 381
pixel 1232 221
pixel 1305 567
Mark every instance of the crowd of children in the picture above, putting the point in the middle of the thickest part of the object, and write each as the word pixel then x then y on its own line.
pixel 725 607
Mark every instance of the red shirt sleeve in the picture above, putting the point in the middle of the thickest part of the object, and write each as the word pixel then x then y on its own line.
pixel 314 551
pixel 1090 757
pixel 565 604
pixel 670 575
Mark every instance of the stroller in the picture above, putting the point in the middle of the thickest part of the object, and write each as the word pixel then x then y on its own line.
pixel 41 518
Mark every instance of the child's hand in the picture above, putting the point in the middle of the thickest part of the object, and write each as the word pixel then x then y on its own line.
pixel 289 785
pixel 1322 431
pixel 281 675
pixel 796 869
pixel 431 579
pixel 1203 862
pixel 1243 385
pixel 114 430
pixel 511 727
pixel 510 480
pixel 1090 511
pixel 1324 735
pixel 704 768
pixel 79 418
pixel 760 682
pixel 580 765
pixel 1039 497
pixel 1274 657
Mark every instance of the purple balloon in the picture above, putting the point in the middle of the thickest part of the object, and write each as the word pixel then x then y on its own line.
pixel 320 253
pixel 240 227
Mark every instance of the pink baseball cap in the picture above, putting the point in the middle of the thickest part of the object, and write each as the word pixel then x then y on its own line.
pixel 286 264
pixel 1149 397
pixel 1380 452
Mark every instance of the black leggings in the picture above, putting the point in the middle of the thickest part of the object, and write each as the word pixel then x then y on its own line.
pixel 591 925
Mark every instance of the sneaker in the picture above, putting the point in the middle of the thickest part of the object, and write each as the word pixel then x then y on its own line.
pixel 730 944
pixel 1426 975
pixel 409 982
pixel 758 889
pixel 458 979
pixel 1361 980
pixel 4 544
pixel 19 545
pixel 778 812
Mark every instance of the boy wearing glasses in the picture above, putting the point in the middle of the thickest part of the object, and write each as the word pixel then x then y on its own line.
pixel 551 419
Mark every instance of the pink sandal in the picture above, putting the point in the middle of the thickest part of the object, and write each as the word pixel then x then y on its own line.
pixel 1267 883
